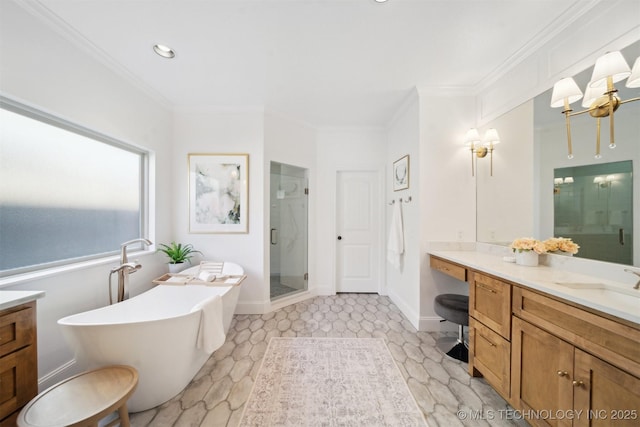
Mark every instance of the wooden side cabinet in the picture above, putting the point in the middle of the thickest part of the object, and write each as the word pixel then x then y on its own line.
pixel 18 360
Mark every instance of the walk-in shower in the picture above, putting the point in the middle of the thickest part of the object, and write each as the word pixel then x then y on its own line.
pixel 289 223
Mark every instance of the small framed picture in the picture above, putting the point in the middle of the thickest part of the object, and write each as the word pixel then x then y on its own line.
pixel 218 193
pixel 401 173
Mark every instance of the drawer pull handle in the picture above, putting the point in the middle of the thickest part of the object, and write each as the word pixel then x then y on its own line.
pixel 578 383
pixel 563 373
pixel 488 340
pixel 487 289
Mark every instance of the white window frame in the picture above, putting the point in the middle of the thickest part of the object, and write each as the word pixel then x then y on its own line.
pixel 147 159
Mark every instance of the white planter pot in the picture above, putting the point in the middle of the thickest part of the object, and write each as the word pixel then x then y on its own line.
pixel 527 258
pixel 177 268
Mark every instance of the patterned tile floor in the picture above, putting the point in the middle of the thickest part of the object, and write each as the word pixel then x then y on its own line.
pixel 445 392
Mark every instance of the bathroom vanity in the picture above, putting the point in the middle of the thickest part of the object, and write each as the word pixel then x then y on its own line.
pixel 560 347
pixel 18 352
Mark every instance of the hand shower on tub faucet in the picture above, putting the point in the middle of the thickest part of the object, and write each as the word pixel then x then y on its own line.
pixel 129 267
pixel 637 273
pixel 124 269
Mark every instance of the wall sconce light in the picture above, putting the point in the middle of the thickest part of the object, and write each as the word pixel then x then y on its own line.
pixel 558 182
pixel 600 97
pixel 481 147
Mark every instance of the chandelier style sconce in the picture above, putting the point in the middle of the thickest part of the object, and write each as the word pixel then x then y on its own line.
pixel 481 147
pixel 600 99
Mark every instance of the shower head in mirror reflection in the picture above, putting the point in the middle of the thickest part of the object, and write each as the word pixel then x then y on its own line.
pixel 600 97
pixel 481 147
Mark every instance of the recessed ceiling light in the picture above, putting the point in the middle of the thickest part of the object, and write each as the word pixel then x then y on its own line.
pixel 164 51
pixel 380 1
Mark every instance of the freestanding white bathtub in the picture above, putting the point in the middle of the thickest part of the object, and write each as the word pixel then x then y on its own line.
pixel 155 332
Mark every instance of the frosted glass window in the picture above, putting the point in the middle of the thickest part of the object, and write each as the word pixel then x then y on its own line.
pixel 65 194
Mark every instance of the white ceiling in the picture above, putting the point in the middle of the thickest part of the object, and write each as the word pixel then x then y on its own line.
pixel 329 63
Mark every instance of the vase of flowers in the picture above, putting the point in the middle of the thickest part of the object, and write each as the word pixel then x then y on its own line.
pixel 561 246
pixel 527 251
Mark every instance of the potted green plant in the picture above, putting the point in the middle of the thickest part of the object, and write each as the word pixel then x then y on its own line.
pixel 179 255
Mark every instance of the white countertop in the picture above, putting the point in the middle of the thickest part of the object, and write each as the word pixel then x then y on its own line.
pixel 10 299
pixel 589 291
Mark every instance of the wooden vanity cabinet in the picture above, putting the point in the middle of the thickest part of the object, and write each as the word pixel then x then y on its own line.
pixel 559 363
pixel 567 360
pixel 18 360
pixel 542 371
pixel 452 269
pixel 490 330
pixel 490 303
pixel 608 394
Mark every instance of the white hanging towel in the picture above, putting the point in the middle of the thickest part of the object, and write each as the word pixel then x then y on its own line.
pixel 395 246
pixel 211 330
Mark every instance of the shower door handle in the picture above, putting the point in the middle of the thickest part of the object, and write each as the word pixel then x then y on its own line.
pixel 621 236
pixel 274 236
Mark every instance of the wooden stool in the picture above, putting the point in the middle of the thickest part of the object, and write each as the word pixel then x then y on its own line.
pixel 83 399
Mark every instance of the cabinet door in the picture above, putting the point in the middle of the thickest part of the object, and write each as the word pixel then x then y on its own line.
pixel 541 373
pixel 18 379
pixel 490 303
pixel 604 395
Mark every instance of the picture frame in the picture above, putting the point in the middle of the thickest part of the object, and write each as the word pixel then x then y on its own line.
pixel 218 193
pixel 401 173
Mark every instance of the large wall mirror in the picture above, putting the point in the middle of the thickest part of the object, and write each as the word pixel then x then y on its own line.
pixel 591 221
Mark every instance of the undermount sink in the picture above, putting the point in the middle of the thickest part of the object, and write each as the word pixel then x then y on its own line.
pixel 582 285
pixel 600 292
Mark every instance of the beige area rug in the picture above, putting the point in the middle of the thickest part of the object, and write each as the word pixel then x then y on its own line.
pixel 330 382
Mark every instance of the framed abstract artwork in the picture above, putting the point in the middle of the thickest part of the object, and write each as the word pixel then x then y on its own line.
pixel 401 174
pixel 218 193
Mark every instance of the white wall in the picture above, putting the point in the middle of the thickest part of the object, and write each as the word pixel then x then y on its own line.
pixel 224 132
pixel 342 150
pixel 447 193
pixel 41 68
pixel 404 139
pixel 505 200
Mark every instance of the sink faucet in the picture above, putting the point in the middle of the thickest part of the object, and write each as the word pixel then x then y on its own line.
pixel 124 269
pixel 637 273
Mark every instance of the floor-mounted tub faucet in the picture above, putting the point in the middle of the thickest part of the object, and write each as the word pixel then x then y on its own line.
pixel 124 269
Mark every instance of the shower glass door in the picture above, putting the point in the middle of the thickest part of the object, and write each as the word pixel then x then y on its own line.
pixel 289 212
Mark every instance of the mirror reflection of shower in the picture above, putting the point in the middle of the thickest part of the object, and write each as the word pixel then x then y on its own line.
pixel 593 205
pixel 288 229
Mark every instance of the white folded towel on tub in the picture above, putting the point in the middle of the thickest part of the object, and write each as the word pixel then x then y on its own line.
pixel 211 329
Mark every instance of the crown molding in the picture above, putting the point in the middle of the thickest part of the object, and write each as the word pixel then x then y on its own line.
pixel 551 31
pixel 69 33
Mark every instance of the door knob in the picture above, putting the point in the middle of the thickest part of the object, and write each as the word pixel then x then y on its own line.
pixel 339 237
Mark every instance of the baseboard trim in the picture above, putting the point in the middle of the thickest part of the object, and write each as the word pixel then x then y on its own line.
pixel 61 373
pixel 408 312
pixel 251 307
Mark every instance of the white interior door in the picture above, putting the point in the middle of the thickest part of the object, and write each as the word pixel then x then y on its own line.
pixel 358 226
